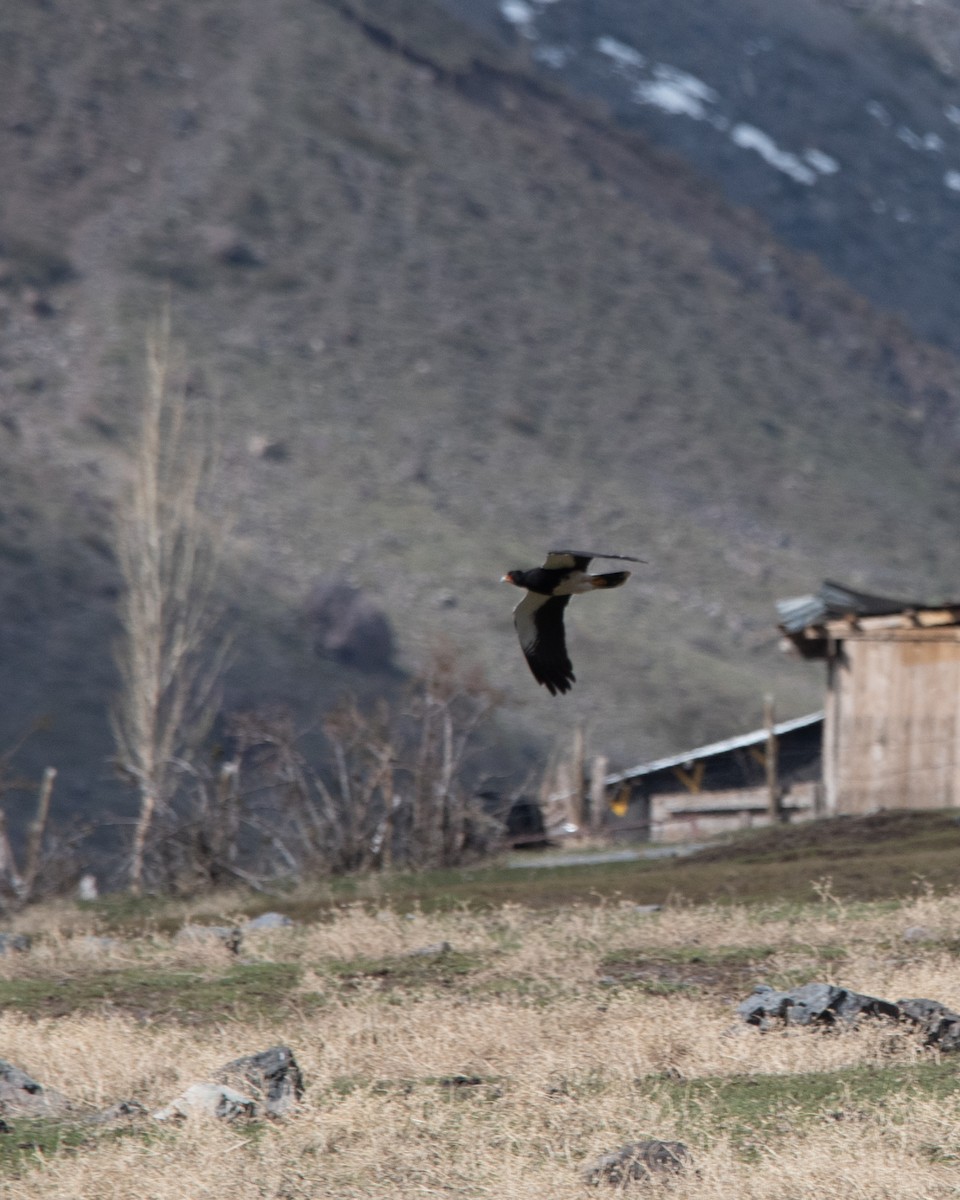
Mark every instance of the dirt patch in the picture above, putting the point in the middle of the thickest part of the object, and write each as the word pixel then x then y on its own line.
pixel 730 976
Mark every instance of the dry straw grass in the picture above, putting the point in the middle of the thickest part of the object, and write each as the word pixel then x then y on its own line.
pixel 567 1067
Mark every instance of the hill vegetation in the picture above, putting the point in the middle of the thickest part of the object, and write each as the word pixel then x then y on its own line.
pixel 448 317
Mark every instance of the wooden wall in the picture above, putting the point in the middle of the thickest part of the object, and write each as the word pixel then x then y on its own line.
pixel 892 726
pixel 680 818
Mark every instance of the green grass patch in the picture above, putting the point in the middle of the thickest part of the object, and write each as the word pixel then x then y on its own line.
pixel 242 992
pixel 865 859
pixel 756 1109
pixel 529 989
pixel 27 1142
pixel 441 969
pixel 882 859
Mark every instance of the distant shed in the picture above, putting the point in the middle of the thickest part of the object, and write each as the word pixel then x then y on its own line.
pixel 891 735
pixel 721 786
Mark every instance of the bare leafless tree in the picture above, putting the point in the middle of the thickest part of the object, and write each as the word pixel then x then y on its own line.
pixel 437 816
pixel 173 645
pixel 394 788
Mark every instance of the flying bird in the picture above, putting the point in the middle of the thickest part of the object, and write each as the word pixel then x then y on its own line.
pixel 539 615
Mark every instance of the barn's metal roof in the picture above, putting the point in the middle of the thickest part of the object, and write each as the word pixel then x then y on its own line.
pixel 836 600
pixel 741 741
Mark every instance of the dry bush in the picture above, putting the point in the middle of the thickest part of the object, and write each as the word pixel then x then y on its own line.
pixel 395 789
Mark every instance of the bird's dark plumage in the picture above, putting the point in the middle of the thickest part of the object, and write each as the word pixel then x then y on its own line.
pixel 539 615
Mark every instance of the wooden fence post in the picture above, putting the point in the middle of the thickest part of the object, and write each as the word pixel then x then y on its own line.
pixel 35 834
pixel 598 792
pixel 771 760
pixel 8 864
pixel 577 780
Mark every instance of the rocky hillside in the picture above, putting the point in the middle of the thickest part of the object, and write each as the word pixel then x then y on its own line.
pixel 837 120
pixel 448 317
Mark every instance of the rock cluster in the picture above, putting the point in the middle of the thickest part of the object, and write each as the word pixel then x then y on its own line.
pixel 828 1004
pixel 271 1083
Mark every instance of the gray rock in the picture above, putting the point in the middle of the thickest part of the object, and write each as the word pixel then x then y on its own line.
pixel 15 943
pixel 229 936
pixel 917 933
pixel 641 1161
pixel 272 1078
pixel 21 1096
pixel 827 1004
pixel 940 1024
pixel 269 920
pixel 87 889
pixel 208 1100
pixel 823 1003
pixel 434 950
pixel 123 1110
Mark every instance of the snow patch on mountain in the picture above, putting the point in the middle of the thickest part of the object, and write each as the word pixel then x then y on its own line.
pixel 927 141
pixel 522 14
pixel 821 162
pixel 676 92
pixel 622 54
pixel 748 137
pixel 554 57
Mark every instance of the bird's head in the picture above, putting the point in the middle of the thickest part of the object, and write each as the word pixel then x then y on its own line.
pixel 514 577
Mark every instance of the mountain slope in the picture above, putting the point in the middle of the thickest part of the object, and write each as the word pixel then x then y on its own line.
pixel 837 120
pixel 477 321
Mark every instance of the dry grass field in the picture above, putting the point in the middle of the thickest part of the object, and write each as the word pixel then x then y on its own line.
pixel 540 1039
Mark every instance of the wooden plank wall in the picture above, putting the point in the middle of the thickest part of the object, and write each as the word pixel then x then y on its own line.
pixel 678 818
pixel 892 736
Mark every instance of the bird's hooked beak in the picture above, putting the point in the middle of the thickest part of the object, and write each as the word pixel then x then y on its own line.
pixel 508 578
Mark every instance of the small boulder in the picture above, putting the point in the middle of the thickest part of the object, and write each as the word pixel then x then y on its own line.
pixel 87 889
pixel 21 1096
pixel 940 1024
pixel 14 943
pixel 272 1078
pixel 208 1100
pixel 269 449
pixel 123 1110
pixel 269 920
pixel 434 950
pixel 643 1161
pixel 227 935
pixel 812 1003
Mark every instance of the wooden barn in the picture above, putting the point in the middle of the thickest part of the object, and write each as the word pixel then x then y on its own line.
pixel 891 734
pixel 750 779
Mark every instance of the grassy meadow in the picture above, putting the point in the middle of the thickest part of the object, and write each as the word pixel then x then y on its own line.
pixel 544 1035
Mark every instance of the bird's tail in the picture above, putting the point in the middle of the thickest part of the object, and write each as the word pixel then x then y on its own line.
pixel 611 579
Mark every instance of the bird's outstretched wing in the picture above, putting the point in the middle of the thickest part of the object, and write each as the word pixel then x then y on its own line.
pixel 578 560
pixel 539 622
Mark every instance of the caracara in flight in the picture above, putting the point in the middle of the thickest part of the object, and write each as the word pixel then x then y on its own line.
pixel 539 615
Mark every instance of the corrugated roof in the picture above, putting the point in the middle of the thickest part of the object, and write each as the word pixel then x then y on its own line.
pixel 837 600
pixel 741 741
